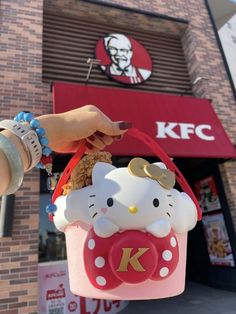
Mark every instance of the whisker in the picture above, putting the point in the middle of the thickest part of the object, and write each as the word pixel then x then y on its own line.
pixel 168 214
pixel 169 195
pixel 94 215
pixel 91 205
pixel 171 205
pixel 92 195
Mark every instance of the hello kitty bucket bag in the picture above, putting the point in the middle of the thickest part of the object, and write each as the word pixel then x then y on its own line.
pixel 126 233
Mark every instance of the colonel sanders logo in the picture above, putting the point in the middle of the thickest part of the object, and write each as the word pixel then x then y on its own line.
pixel 124 59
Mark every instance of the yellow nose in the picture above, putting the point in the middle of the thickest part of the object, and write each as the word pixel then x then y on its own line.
pixel 133 209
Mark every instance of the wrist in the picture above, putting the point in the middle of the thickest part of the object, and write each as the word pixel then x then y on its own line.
pixel 54 128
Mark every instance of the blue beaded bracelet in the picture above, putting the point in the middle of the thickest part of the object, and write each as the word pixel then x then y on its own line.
pixel 34 124
pixel 46 160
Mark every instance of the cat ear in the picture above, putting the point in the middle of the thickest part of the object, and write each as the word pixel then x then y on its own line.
pixel 160 165
pixel 100 170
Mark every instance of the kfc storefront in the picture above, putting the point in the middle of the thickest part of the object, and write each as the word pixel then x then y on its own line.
pixel 155 63
pixel 149 86
pixel 188 129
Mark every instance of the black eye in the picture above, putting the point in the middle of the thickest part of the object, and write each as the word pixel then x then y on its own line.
pixel 110 202
pixel 156 202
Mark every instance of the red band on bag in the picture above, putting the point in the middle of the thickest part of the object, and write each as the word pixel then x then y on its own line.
pixel 152 144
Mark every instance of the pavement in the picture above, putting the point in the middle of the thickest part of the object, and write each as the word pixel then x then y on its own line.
pixel 197 299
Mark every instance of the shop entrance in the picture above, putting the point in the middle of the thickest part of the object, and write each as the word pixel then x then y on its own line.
pixel 211 244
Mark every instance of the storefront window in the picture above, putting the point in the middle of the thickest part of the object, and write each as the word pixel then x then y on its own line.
pixel 51 241
pixel 214 226
pixel 52 245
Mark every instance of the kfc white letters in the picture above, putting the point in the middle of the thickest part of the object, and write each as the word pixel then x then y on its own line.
pixel 183 130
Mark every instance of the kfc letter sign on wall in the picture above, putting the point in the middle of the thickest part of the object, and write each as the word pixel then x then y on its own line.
pixel 123 59
pixel 183 130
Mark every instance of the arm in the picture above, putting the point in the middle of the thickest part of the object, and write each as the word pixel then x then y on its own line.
pixel 84 122
pixel 64 132
pixel 5 173
pixel 4 166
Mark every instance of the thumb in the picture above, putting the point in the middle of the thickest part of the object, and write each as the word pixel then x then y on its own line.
pixel 111 128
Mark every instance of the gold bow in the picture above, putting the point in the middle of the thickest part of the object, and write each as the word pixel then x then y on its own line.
pixel 142 168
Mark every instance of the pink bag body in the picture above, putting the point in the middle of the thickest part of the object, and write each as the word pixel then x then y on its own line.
pixel 126 234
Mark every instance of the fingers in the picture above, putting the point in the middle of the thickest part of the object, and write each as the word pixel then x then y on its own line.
pixel 91 149
pixel 114 128
pixel 98 141
pixel 107 126
pixel 83 123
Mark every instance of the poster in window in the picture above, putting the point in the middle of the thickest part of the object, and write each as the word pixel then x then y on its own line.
pixel 218 245
pixel 207 194
pixel 55 296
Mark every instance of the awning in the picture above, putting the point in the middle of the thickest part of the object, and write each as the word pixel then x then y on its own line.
pixel 184 126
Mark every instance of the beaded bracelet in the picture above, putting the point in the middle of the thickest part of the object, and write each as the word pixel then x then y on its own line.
pixel 46 159
pixel 34 124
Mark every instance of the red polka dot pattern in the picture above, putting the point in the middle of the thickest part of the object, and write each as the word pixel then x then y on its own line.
pixel 144 256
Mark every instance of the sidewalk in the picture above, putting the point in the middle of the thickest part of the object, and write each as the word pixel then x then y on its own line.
pixel 197 299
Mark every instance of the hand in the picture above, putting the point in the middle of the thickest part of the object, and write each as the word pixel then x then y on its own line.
pixel 65 130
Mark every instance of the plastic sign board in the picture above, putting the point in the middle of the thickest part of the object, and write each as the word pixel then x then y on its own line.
pixel 55 296
pixel 184 126
pixel 217 238
pixel 123 59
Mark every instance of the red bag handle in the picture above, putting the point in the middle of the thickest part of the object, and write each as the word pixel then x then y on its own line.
pixel 146 139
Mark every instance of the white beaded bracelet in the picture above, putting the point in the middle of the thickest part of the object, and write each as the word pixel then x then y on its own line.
pixel 16 165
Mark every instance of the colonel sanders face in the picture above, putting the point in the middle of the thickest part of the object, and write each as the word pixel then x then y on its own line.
pixel 119 49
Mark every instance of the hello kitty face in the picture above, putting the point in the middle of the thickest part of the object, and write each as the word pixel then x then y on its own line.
pixel 127 201
pixel 121 201
pixel 118 200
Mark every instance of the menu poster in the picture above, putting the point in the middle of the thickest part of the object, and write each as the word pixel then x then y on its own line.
pixel 55 296
pixel 207 194
pixel 218 245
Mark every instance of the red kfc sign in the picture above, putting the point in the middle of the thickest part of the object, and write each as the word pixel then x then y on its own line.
pixel 182 126
pixel 123 59
pixel 184 130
